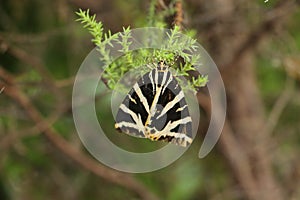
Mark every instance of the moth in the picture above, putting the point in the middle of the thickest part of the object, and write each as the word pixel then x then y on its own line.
pixel 155 108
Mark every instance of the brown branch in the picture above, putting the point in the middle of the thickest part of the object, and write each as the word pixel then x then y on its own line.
pixel 25 57
pixel 11 138
pixel 162 4
pixel 36 63
pixel 234 153
pixel 39 66
pixel 248 163
pixel 178 14
pixel 239 162
pixel 17 38
pixel 65 82
pixel 63 146
pixel 279 106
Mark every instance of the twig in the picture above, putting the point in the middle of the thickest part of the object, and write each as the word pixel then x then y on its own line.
pixel 239 162
pixel 65 82
pixel 35 38
pixel 162 4
pixel 37 64
pixel 178 14
pixel 234 153
pixel 279 106
pixel 62 145
pixel 10 139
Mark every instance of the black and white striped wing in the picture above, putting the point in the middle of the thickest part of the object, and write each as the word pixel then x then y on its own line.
pixel 156 108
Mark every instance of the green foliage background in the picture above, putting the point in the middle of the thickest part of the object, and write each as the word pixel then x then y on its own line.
pixel 31 168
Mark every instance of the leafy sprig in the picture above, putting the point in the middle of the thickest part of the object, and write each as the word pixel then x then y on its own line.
pixel 174 46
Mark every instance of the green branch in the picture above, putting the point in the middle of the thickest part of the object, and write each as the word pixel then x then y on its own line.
pixel 174 46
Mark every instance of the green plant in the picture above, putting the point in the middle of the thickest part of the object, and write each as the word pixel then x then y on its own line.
pixel 174 46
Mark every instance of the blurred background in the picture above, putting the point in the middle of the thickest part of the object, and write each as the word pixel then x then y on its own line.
pixel 256 46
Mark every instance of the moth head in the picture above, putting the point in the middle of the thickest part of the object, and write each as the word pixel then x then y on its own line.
pixel 162 66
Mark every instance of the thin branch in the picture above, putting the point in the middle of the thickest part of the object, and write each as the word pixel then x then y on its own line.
pixel 65 82
pixel 234 153
pixel 10 139
pixel 39 66
pixel 34 62
pixel 18 38
pixel 238 161
pixel 162 4
pixel 178 14
pixel 279 106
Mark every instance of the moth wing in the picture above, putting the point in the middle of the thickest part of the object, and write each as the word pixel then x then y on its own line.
pixel 172 121
pixel 134 109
